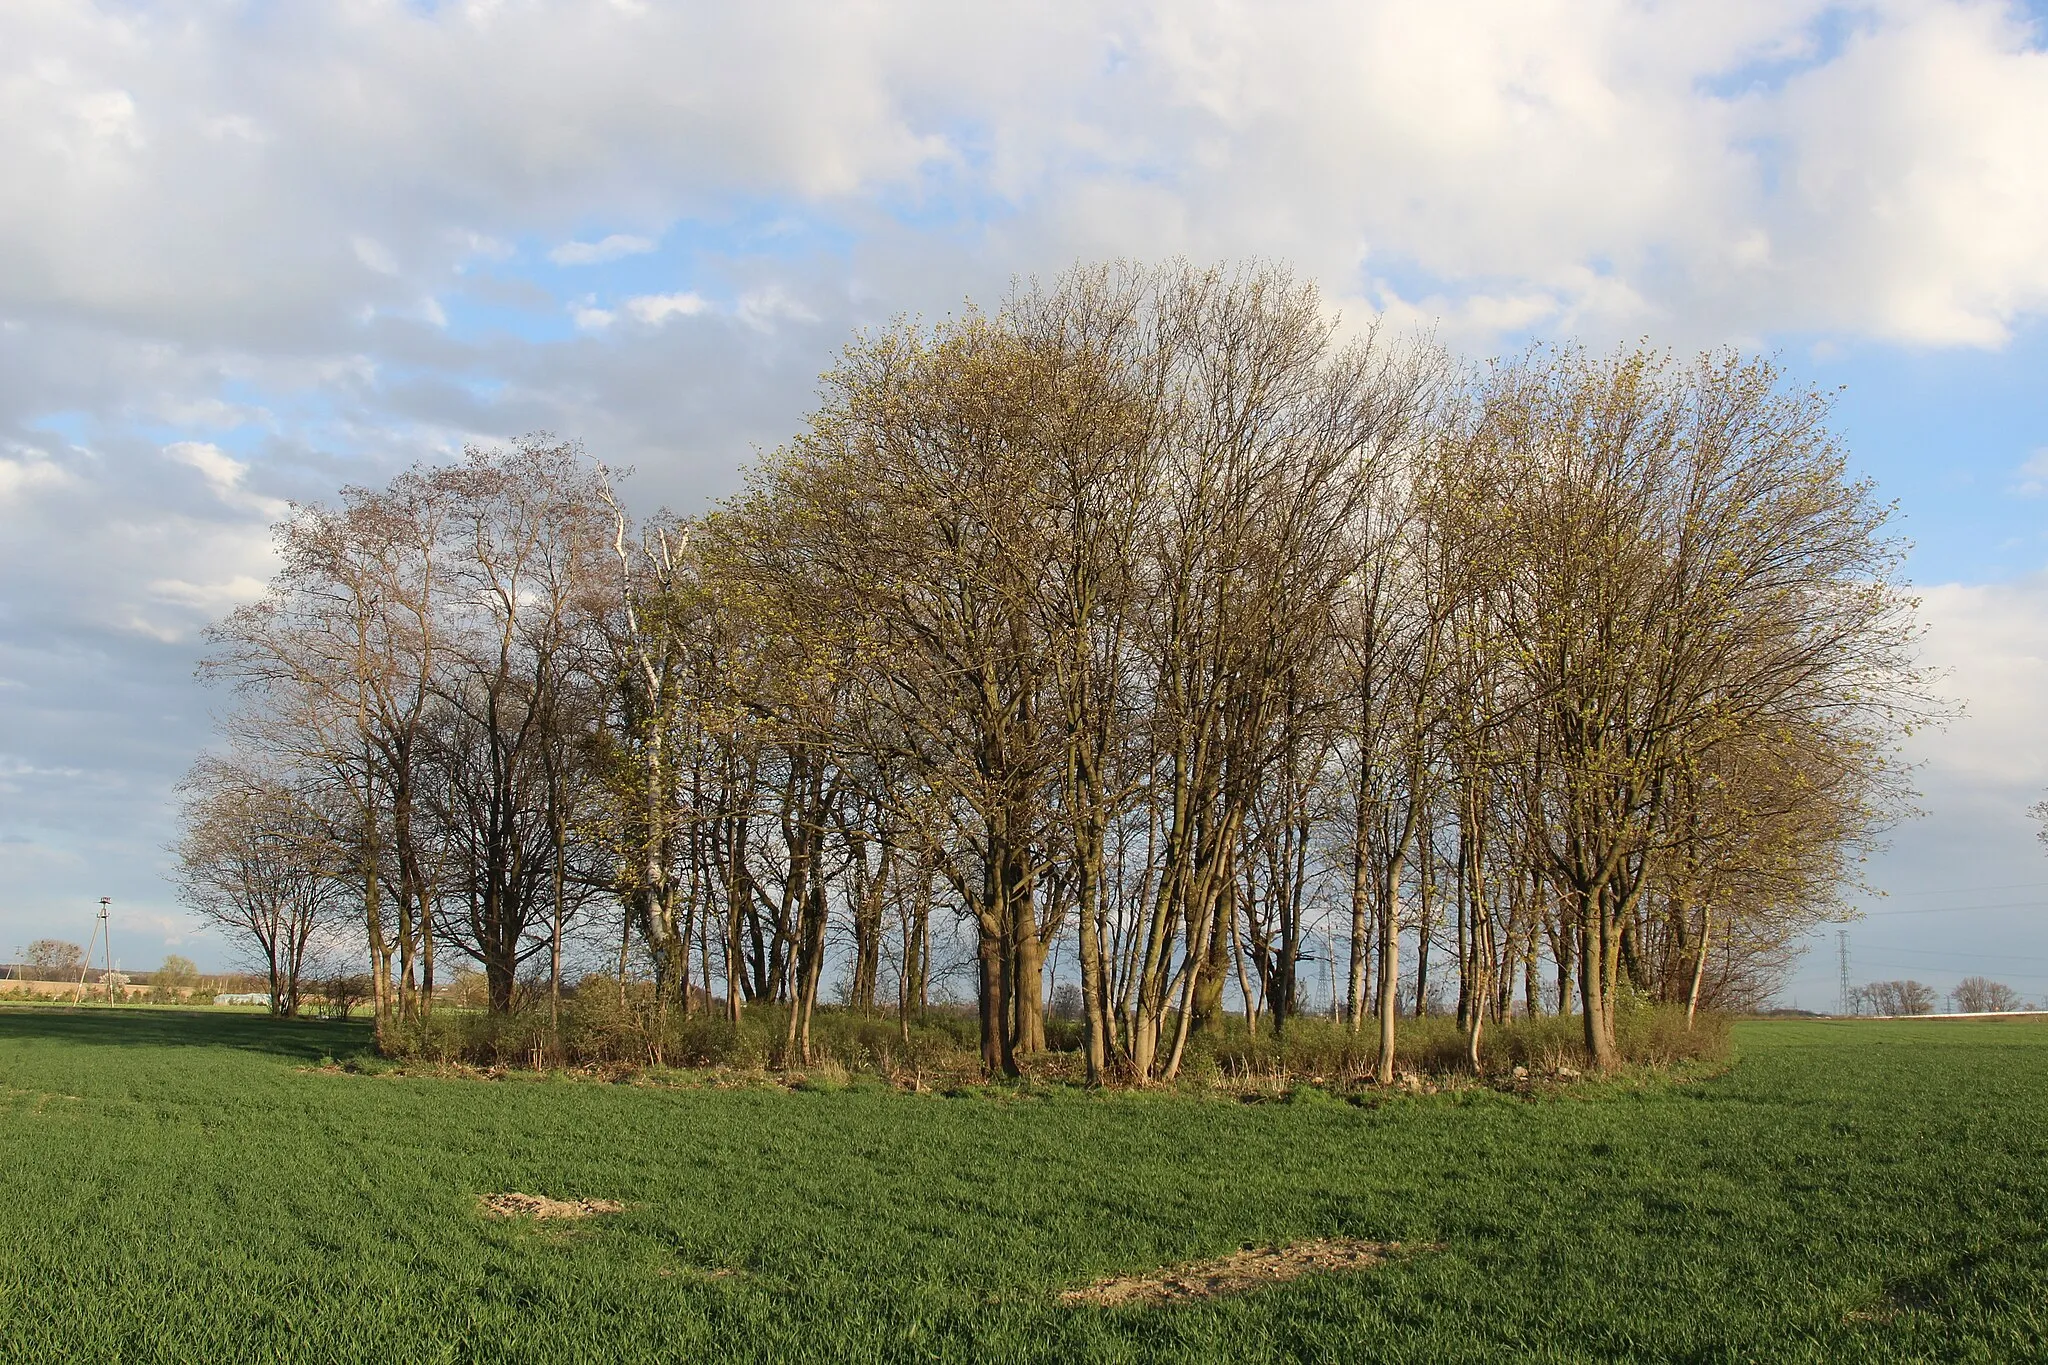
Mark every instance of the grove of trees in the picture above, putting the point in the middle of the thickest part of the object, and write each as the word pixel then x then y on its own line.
pixel 1982 995
pixel 1151 629
pixel 55 956
pixel 1897 998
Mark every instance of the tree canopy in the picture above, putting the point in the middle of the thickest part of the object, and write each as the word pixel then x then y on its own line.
pixel 1156 628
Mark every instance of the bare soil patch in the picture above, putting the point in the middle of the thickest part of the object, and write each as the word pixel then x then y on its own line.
pixel 537 1207
pixel 38 1098
pixel 698 1272
pixel 1242 1270
pixel 1879 1312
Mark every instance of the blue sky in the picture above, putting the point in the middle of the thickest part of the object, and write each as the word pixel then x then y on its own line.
pixel 250 253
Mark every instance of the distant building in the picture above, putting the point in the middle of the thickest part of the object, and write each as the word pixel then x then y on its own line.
pixel 244 998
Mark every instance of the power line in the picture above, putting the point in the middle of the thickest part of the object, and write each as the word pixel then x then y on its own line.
pixel 1963 890
pixel 1953 951
pixel 1957 909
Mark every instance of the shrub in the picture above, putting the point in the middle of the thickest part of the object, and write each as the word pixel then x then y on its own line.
pixel 599 1028
pixel 603 1028
pixel 173 981
pixel 343 993
pixel 1317 1048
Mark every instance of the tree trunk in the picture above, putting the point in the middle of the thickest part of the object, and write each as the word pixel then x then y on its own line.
pixel 1699 966
pixel 988 961
pixel 1027 987
pixel 1094 977
pixel 1026 961
pixel 1361 904
pixel 1207 1001
pixel 1532 988
pixel 1594 996
pixel 1244 987
pixel 737 896
pixel 1390 967
pixel 1425 913
pixel 1197 963
pixel 380 953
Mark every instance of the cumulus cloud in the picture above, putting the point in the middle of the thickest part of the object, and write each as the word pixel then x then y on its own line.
pixel 1979 774
pixel 1965 881
pixel 615 247
pixel 374 254
pixel 26 471
pixel 2030 480
pixel 763 308
pixel 1715 159
pixel 1991 642
pixel 210 597
pixel 225 476
pixel 655 309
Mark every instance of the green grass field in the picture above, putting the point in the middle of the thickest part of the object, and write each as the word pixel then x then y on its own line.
pixel 184 1186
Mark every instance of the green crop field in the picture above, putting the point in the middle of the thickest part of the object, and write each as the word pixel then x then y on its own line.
pixel 188 1186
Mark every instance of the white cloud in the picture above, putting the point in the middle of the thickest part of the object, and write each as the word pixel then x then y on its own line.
pixel 224 474
pixel 174 574
pixel 762 308
pixel 1701 167
pixel 480 246
pixel 375 255
pixel 212 597
pixel 222 471
pixel 239 127
pixel 1962 882
pixel 655 309
pixel 1992 641
pixel 13 768
pixel 613 248
pixel 26 473
pixel 1917 175
pixel 108 116
pixel 2030 480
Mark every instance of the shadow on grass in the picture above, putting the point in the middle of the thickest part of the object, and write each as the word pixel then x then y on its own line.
pixel 303 1040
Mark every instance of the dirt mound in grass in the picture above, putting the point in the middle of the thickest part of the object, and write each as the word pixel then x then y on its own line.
pixel 512 1204
pixel 1250 1268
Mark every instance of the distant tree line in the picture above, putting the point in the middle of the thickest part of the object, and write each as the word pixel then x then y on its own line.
pixel 1147 623
pixel 61 961
pixel 1972 995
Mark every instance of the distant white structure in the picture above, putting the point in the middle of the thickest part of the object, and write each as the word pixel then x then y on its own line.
pixel 244 998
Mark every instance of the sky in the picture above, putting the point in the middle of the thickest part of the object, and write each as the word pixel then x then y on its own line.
pixel 253 252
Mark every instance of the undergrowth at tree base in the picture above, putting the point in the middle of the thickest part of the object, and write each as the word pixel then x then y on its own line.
pixel 599 1037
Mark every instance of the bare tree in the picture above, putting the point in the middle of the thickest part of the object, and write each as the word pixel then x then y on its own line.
pixel 1146 617
pixel 1697 570
pixel 59 957
pixel 1981 995
pixel 525 531
pixel 1898 998
pixel 259 859
pixel 335 668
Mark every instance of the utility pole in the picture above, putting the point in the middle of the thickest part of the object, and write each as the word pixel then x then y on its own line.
pixel 102 937
pixel 1848 991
